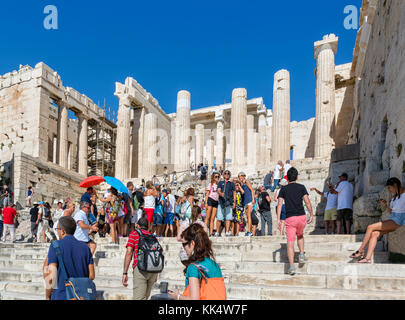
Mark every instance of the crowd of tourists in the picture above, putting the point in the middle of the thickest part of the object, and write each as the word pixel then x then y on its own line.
pixel 150 211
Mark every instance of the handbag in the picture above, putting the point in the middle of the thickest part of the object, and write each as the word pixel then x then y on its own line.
pixel 75 288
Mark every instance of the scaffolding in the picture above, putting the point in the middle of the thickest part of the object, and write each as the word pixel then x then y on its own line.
pixel 102 143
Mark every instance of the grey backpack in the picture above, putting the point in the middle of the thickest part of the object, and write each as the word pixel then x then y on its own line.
pixel 150 253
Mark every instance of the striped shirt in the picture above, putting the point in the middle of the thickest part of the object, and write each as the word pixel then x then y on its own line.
pixel 133 242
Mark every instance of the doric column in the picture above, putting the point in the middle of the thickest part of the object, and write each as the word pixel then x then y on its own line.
pixel 137 142
pixel 83 145
pixel 251 141
pixel 150 145
pixel 220 146
pixel 238 128
pixel 122 166
pixel 325 94
pixel 261 150
pixel 199 143
pixel 63 141
pixel 210 152
pixel 281 116
pixel 183 130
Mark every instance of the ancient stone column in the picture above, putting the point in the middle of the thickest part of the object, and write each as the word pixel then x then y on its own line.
pixel 199 143
pixel 325 94
pixel 281 116
pixel 210 152
pixel 63 123
pixel 122 154
pixel 261 150
pixel 251 140
pixel 150 145
pixel 183 131
pixel 220 145
pixel 83 145
pixel 137 142
pixel 238 128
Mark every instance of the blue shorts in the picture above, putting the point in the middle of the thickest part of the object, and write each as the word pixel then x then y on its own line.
pixel 283 214
pixel 157 219
pixel 228 213
pixel 169 218
pixel 398 218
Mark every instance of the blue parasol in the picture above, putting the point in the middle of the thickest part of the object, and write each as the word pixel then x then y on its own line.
pixel 117 184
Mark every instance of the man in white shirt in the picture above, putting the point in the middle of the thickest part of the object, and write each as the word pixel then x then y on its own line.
pixel 287 167
pixel 83 226
pixel 330 209
pixel 344 190
pixel 278 170
pixel 171 204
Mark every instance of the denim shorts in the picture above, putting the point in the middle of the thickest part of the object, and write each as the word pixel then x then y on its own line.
pixel 398 218
pixel 228 213
pixel 157 219
pixel 169 218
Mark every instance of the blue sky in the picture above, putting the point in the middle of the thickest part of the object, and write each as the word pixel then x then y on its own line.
pixel 207 47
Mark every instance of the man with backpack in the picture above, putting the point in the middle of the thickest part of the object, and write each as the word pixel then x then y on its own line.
pixel 76 258
pixel 148 260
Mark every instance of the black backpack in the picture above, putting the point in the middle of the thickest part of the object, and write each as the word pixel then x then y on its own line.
pixel 150 253
pixel 204 170
pixel 47 213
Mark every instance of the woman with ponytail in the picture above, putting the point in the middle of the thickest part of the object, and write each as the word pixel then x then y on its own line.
pixel 395 220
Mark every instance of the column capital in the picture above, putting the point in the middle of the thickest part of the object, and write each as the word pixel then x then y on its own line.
pixel 124 100
pixel 82 115
pixel 261 109
pixel 219 115
pixel 328 42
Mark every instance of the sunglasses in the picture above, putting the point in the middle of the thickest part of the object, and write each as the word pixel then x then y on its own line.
pixel 216 176
pixel 185 244
pixel 228 173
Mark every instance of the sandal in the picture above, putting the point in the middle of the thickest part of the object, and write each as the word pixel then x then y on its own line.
pixel 357 255
pixel 364 260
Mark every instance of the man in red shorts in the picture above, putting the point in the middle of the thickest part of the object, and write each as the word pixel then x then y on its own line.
pixel 293 194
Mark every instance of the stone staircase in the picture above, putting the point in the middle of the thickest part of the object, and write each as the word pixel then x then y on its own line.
pixel 254 268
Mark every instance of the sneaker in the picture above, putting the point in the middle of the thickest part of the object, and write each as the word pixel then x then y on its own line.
pixel 248 234
pixel 291 271
pixel 228 234
pixel 302 258
pixel 217 234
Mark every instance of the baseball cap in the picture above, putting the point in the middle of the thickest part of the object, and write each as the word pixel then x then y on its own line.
pixel 344 174
pixel 138 186
pixel 164 190
pixel 41 202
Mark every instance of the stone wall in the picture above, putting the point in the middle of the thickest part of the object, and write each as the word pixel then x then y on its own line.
pixel 302 139
pixel 50 181
pixel 379 124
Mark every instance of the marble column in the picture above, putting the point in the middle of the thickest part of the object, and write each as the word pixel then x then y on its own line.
pixel 325 95
pixel 220 145
pixel 210 152
pixel 150 145
pixel 199 143
pixel 63 131
pixel 122 154
pixel 238 128
pixel 251 140
pixel 183 130
pixel 83 145
pixel 137 143
pixel 281 117
pixel 261 150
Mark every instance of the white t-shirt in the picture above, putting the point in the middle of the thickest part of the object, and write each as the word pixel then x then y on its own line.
pixel 332 201
pixel 345 195
pixel 58 214
pixel 276 174
pixel 81 234
pixel 398 205
pixel 172 203
pixel 287 167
